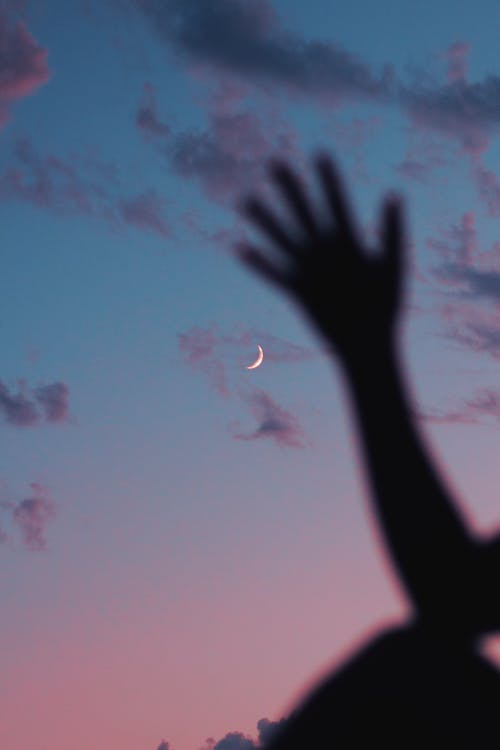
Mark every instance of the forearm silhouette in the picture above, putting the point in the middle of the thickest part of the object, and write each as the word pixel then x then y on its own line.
pixel 354 299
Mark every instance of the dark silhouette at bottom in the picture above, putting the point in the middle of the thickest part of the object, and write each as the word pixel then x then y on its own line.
pixel 425 681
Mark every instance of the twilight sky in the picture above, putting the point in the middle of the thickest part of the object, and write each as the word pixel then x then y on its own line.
pixel 185 544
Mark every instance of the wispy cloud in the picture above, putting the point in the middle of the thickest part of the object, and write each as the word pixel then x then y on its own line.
pixel 79 187
pixel 215 353
pixel 227 156
pixel 484 405
pixel 146 211
pixel 23 64
pixel 470 279
pixel 273 422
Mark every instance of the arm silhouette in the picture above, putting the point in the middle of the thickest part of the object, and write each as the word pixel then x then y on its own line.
pixel 353 298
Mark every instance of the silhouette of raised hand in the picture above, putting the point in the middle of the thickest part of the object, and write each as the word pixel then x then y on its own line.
pixel 351 295
pixel 424 681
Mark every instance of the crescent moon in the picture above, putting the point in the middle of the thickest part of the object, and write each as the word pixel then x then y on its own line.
pixel 258 361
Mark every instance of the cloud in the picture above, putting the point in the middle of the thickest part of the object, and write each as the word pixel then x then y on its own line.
pixel 488 187
pixel 239 741
pixel 245 37
pixel 17 408
pixel 52 182
pixel 473 274
pixel 54 400
pixel 23 64
pixel 485 404
pixel 81 187
pixel 32 515
pixel 466 112
pixel 145 211
pixel 198 348
pixel 216 353
pixel 164 745
pixel 274 422
pixel 227 156
pixel 20 410
pixel 147 116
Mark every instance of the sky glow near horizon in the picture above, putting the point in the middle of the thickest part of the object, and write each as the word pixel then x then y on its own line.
pixel 185 543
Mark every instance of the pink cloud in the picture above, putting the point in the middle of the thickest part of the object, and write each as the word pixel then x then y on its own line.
pixel 32 515
pixel 198 349
pixel 84 186
pixel 145 211
pixel 52 182
pixel 216 353
pixel 274 422
pixel 469 279
pixel 23 64
pixel 488 186
pixel 456 56
pixel 228 156
pixel 485 404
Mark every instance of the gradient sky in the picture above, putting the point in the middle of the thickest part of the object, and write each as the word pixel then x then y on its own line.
pixel 185 544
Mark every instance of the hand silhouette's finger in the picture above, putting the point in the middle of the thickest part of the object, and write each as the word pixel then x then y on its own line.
pixel 295 195
pixel 250 256
pixel 336 197
pixel 393 237
pixel 267 222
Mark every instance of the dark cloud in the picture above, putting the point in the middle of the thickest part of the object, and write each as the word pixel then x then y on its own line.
pixel 274 422
pixel 20 409
pixel 23 64
pixel 164 746
pixel 54 400
pixel 239 741
pixel 17 408
pixel 245 37
pixel 147 115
